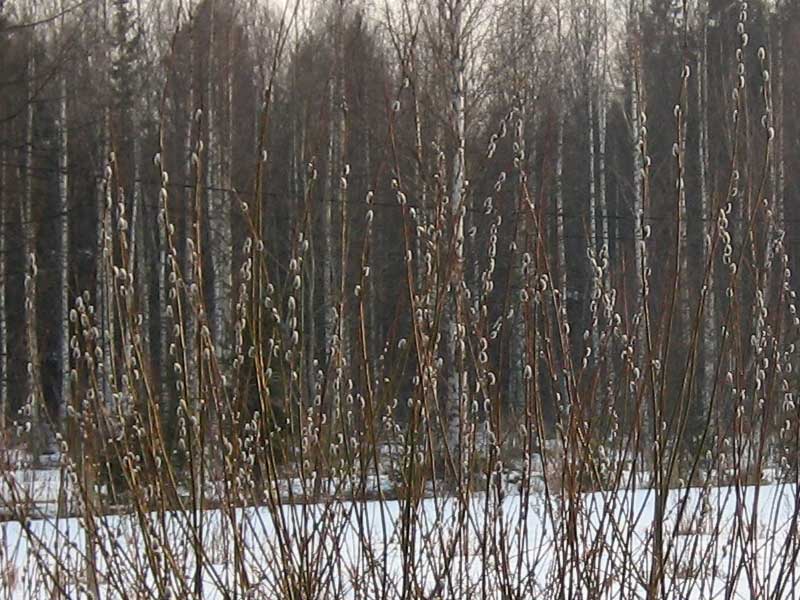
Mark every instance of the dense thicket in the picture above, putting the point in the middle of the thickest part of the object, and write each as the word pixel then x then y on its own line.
pixel 587 125
pixel 493 265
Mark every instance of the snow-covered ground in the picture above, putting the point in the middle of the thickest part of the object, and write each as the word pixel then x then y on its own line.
pixel 40 491
pixel 482 548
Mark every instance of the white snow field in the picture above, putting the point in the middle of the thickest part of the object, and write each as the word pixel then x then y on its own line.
pixel 745 546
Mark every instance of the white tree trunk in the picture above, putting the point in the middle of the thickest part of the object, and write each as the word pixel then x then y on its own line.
pixel 639 291
pixel 63 244
pixel 560 244
pixel 601 158
pixel 638 197
pixel 310 264
pixel 517 354
pixel 602 201
pixel 225 269
pixel 139 248
pixel 774 86
pixel 561 254
pixel 191 253
pixel 219 215
pixel 163 301
pixel 328 269
pixel 104 308
pixel 779 128
pixel 29 244
pixel 710 317
pixel 593 243
pixel 104 297
pixel 102 302
pixel 454 330
pixel 520 328
pixel 685 281
pixel 341 149
pixel 372 302
pixel 4 198
pixel 421 186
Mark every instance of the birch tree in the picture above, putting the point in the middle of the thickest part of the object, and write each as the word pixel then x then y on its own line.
pixel 645 415
pixel 772 80
pixel 453 13
pixel 710 318
pixel 602 110
pixel 519 52
pixel 585 29
pixel 329 255
pixel 6 129
pixel 517 355
pixel 637 144
pixel 63 242
pixel 103 248
pixel 219 206
pixel 780 125
pixel 680 114
pixel 33 406
pixel 4 199
pixel 343 169
pixel 561 254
